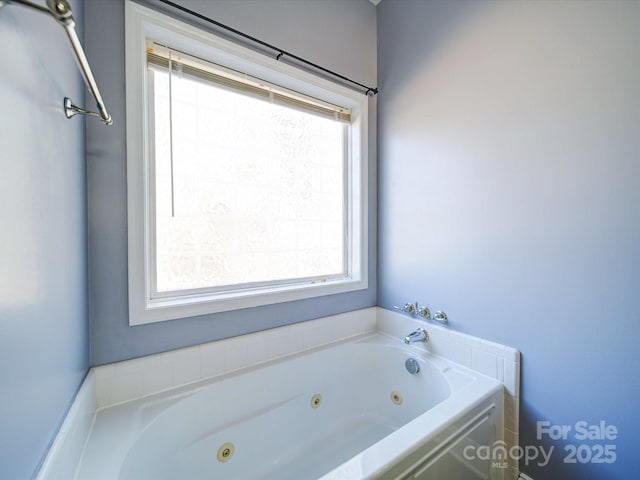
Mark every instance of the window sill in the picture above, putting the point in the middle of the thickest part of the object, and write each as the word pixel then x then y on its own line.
pixel 172 308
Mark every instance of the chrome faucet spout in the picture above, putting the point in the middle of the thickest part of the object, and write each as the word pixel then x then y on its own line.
pixel 419 335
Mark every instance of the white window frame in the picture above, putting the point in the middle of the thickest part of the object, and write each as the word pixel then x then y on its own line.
pixel 143 23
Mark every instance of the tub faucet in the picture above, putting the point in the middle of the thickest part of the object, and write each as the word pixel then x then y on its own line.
pixel 419 335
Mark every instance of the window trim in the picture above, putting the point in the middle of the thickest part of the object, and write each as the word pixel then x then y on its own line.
pixel 143 23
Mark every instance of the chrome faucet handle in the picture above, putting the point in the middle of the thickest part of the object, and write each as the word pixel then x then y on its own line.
pixel 424 312
pixel 409 308
pixel 440 317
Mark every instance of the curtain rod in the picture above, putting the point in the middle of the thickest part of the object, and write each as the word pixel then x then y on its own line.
pixel 60 11
pixel 370 91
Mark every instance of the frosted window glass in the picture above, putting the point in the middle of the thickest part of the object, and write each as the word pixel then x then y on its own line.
pixel 257 192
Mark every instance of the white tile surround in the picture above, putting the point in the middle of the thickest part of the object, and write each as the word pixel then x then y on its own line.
pixel 489 358
pixel 109 385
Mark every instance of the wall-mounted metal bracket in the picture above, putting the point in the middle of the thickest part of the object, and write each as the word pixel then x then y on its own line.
pixel 71 109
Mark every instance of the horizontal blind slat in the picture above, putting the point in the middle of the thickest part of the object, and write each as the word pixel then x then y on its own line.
pixel 159 58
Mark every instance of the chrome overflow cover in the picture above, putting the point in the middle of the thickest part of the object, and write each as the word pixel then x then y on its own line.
pixel 412 366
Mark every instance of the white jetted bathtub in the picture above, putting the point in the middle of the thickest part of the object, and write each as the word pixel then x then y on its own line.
pixel 348 411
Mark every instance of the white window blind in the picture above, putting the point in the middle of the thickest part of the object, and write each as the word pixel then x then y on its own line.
pixel 164 57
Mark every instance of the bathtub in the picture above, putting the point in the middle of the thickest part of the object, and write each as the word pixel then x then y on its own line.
pixel 348 411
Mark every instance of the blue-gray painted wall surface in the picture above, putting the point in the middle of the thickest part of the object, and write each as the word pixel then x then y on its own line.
pixel 44 340
pixel 337 35
pixel 509 162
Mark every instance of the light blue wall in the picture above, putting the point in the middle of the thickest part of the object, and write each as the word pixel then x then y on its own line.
pixel 336 34
pixel 509 155
pixel 44 340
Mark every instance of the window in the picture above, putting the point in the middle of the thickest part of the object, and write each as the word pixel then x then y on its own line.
pixel 246 177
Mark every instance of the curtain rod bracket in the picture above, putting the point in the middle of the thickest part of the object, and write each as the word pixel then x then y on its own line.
pixel 71 109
